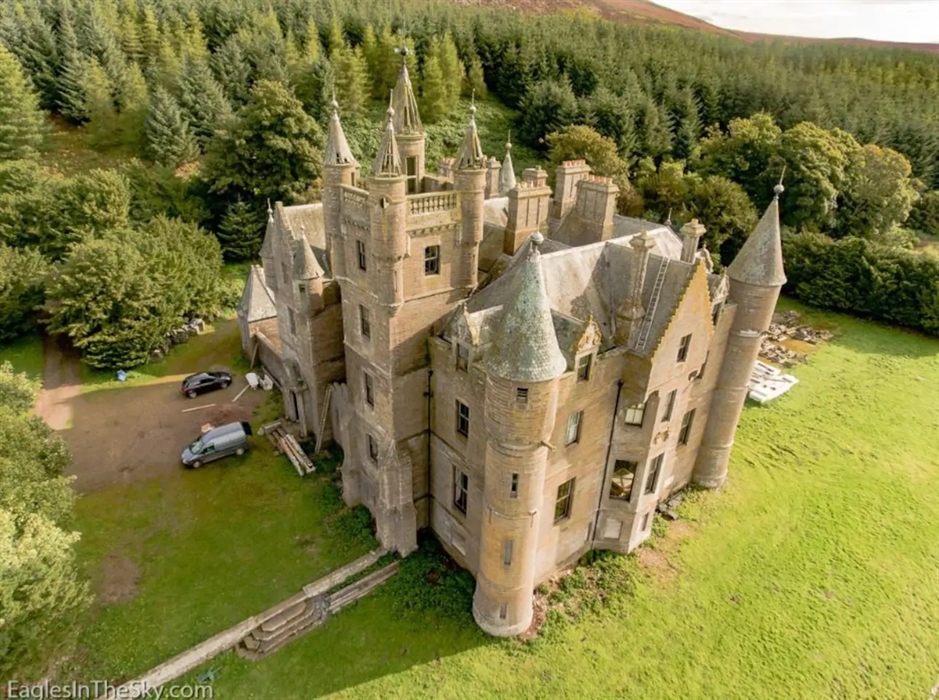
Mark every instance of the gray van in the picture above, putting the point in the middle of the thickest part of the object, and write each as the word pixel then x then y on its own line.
pixel 230 439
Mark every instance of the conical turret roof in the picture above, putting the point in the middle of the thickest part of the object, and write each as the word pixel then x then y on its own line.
pixel 525 347
pixel 407 120
pixel 337 148
pixel 257 301
pixel 388 160
pixel 305 264
pixel 471 152
pixel 760 260
pixel 507 174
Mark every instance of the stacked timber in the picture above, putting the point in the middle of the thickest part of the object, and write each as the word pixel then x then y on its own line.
pixel 287 444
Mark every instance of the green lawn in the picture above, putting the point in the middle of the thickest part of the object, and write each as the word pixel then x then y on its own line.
pixel 25 354
pixel 812 575
pixel 207 549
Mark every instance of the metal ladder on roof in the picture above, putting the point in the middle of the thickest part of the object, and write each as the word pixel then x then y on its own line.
pixel 653 302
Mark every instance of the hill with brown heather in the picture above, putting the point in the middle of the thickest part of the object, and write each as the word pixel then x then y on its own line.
pixel 645 12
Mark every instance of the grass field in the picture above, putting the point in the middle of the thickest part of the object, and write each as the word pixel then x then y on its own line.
pixel 811 575
pixel 25 354
pixel 177 559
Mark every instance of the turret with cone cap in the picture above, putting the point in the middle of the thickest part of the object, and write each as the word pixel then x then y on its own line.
pixel 526 361
pixel 387 196
pixel 340 168
pixel 756 276
pixel 407 126
pixel 469 178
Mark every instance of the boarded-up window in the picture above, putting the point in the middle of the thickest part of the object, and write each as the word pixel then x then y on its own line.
pixel 624 474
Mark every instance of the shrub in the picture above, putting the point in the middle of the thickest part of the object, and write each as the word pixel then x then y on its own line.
pixel 860 277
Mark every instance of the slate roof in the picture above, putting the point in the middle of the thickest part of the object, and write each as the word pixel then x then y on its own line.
pixel 388 160
pixel 257 300
pixel 305 265
pixel 760 261
pixel 306 221
pixel 337 147
pixel 525 346
pixel 407 120
pixel 471 152
pixel 507 174
pixel 589 281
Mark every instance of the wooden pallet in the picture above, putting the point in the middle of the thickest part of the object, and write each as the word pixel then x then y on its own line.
pixel 287 444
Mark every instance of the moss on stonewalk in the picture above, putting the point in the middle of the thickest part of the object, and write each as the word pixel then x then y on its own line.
pixel 811 575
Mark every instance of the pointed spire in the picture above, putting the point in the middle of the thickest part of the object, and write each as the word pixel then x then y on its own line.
pixel 407 119
pixel 388 160
pixel 760 260
pixel 526 346
pixel 507 174
pixel 337 148
pixel 305 264
pixel 471 153
pixel 270 212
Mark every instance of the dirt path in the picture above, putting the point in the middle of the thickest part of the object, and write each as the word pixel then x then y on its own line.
pixel 61 383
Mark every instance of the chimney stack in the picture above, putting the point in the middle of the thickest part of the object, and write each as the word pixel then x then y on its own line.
pixel 528 209
pixel 595 206
pixel 690 236
pixel 566 177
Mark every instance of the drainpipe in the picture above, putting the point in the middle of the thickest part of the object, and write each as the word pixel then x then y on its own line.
pixel 606 465
pixel 430 395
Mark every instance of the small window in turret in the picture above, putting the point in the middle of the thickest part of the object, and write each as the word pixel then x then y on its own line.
pixel 411 164
pixel 513 489
pixel 521 395
pixel 584 365
pixel 302 288
pixel 462 357
pixel 432 260
pixel 363 258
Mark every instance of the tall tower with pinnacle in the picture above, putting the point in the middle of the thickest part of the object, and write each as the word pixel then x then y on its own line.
pixel 756 277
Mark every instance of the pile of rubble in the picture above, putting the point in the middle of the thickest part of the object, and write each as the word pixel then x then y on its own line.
pixel 787 326
pixel 178 336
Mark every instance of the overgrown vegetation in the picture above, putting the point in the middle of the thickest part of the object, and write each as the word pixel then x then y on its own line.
pixel 41 595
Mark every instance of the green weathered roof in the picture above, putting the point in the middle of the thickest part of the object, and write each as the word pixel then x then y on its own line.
pixel 760 260
pixel 525 347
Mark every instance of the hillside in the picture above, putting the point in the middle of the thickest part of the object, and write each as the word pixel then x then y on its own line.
pixel 645 12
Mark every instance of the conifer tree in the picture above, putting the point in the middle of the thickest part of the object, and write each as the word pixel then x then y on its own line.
pixel 336 42
pixel 233 70
pixel 149 36
pixel 434 88
pixel 30 38
pixel 99 103
pixel 241 231
pixel 373 59
pixel 131 44
pixel 351 80
pixel 452 69
pixel 202 100
pixel 170 140
pixel 21 121
pixel 301 68
pixel 475 81
pixel 134 103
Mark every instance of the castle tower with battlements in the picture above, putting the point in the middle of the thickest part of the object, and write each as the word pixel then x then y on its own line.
pixel 524 373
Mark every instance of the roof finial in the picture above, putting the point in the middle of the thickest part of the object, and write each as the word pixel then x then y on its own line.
pixel 508 142
pixel 779 189
pixel 668 218
pixel 334 104
pixel 270 212
pixel 537 239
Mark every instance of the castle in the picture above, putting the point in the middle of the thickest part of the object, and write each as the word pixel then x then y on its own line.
pixel 527 374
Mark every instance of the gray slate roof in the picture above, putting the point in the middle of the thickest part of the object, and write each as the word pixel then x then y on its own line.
pixel 337 148
pixel 305 265
pixel 407 120
pixel 471 155
pixel 525 347
pixel 306 221
pixel 760 261
pixel 388 160
pixel 257 300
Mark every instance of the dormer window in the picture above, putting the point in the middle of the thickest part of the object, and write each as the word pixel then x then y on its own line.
pixel 584 365
pixel 462 357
